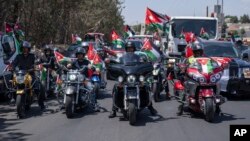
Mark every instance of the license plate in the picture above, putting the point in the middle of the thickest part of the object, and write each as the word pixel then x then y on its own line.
pixel 19 91
pixel 132 94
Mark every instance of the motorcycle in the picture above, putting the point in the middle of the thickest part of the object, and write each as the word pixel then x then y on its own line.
pixel 75 94
pixel 46 78
pixel 199 89
pixel 132 92
pixel 158 82
pixel 23 86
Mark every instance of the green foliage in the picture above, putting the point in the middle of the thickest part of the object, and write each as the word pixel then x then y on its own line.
pixel 55 20
pixel 242 32
pixel 245 19
pixel 233 19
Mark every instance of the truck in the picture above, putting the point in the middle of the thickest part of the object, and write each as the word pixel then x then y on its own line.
pixel 8 51
pixel 177 25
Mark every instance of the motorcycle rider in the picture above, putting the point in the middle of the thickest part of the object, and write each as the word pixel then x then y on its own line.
pixel 193 51
pixel 80 63
pixel 132 57
pixel 85 45
pixel 26 61
pixel 49 59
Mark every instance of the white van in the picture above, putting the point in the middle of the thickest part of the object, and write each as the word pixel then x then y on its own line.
pixel 173 43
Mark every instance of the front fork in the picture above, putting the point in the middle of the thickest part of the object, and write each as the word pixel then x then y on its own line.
pixel 126 97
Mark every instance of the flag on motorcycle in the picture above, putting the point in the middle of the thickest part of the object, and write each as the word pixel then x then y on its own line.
pixel 8 28
pixel 155 19
pixel 128 31
pixel 94 57
pixel 91 52
pixel 62 59
pixel 151 50
pixel 117 40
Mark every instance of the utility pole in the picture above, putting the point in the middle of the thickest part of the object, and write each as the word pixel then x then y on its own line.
pixel 207 12
pixel 222 5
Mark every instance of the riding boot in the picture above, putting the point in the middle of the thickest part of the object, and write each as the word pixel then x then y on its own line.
pixel 113 112
pixel 152 110
pixel 180 110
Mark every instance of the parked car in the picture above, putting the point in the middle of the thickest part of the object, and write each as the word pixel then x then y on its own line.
pixel 236 78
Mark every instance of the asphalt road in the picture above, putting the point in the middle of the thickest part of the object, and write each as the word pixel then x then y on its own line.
pixel 52 125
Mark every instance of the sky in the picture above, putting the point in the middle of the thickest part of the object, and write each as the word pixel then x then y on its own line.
pixel 134 10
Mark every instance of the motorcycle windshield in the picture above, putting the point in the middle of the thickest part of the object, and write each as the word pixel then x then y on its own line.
pixel 130 59
pixel 204 65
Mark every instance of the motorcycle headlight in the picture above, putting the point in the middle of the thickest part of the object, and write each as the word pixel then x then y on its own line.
pixel 142 78
pixel 72 77
pixel 131 79
pixel 20 79
pixel 120 79
pixel 171 60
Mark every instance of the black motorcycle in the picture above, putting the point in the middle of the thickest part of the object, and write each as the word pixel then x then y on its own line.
pixel 132 93
pixel 75 93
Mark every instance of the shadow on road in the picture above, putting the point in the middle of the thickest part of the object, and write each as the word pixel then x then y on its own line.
pixel 225 117
pixel 144 117
pixel 87 111
pixel 7 134
pixel 217 119
pixel 104 94
pixel 231 97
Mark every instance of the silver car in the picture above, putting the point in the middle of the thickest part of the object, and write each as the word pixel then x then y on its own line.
pixel 236 78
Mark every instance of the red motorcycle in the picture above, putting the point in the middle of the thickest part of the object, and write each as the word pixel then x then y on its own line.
pixel 198 89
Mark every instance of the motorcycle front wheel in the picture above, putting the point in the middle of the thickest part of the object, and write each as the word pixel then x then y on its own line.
pixel 132 113
pixel 20 106
pixel 97 89
pixel 69 107
pixel 209 109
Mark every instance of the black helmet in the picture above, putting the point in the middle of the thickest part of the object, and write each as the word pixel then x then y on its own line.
pixel 130 44
pixel 80 51
pixel 197 49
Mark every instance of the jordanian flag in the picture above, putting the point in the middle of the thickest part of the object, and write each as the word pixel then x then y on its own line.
pixel 155 19
pixel 117 40
pixel 62 59
pixel 206 64
pixel 94 57
pixel 151 51
pixel 128 31
pixel 11 29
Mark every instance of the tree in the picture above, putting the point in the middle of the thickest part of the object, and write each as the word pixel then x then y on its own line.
pixel 234 19
pixel 244 19
pixel 224 28
pixel 55 20
pixel 242 32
